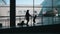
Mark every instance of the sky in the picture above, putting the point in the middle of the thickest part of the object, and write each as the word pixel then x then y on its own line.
pixel 26 2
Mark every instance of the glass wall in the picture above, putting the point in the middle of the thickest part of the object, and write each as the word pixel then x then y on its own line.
pixel 50 12
pixel 41 12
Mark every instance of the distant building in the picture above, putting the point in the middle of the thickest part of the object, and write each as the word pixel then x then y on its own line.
pixel 2 2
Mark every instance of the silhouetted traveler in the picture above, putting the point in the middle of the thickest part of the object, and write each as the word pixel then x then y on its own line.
pixel 0 24
pixel 34 19
pixel 27 16
pixel 22 23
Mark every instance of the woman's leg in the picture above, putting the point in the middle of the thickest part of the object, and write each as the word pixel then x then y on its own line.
pixel 27 22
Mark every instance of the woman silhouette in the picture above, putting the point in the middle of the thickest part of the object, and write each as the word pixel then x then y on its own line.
pixel 27 16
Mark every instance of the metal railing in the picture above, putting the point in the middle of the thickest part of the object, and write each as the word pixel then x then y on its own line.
pixel 5 20
pixel 41 20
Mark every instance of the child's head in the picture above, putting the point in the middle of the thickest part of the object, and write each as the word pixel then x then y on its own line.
pixel 22 21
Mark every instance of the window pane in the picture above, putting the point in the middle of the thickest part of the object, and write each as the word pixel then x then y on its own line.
pixel 44 11
pixel 4 13
pixel 22 6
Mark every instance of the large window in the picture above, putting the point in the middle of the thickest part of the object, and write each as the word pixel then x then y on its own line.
pixel 29 13
pixel 45 11
pixel 34 8
pixel 21 8
pixel 41 12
